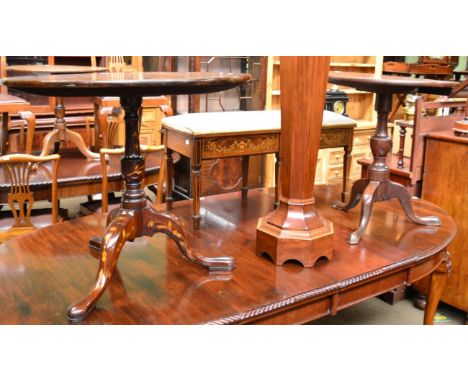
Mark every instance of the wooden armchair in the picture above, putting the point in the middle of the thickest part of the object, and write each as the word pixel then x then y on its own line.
pixel 16 171
pixel 103 206
pixel 14 105
pixel 109 120
pixel 429 116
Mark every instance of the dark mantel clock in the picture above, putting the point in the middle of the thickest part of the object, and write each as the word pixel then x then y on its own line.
pixel 336 101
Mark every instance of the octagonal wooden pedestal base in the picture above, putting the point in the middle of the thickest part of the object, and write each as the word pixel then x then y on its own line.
pixel 305 246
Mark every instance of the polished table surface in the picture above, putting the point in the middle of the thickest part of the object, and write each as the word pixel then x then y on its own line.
pixel 54 69
pixel 118 84
pixel 390 84
pixel 43 272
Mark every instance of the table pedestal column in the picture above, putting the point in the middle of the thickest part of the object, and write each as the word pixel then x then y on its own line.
pixel 295 230
pixel 377 186
pixel 61 133
pixel 135 219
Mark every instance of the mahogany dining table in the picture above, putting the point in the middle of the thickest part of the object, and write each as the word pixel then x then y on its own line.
pixel 153 284
pixel 134 218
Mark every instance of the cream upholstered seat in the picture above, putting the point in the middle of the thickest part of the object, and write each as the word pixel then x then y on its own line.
pixel 234 122
pixel 224 135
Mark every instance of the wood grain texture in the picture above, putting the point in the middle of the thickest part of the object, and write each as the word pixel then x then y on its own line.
pixel 446 184
pixel 54 69
pixel 391 84
pixel 295 230
pixel 118 84
pixel 155 284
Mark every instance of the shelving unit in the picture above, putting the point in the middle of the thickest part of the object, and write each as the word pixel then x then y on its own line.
pixel 359 107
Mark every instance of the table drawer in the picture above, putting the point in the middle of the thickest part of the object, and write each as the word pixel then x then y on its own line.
pixel 355 166
pixel 335 174
pixel 336 157
pixel 319 171
pixel 238 146
pixel 362 138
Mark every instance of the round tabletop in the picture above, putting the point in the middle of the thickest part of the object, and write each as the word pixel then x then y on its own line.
pixel 127 84
pixel 54 69
pixel 390 84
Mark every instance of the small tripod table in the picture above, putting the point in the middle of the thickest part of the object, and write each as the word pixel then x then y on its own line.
pixel 134 218
pixel 377 186
pixel 60 133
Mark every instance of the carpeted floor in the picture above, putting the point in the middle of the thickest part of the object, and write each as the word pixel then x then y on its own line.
pixel 378 312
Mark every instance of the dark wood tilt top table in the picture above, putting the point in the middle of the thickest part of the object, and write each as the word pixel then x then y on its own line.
pixel 377 186
pixel 60 133
pixel 155 284
pixel 134 218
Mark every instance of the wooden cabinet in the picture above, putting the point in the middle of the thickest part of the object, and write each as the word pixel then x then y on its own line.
pixel 445 183
pixel 359 107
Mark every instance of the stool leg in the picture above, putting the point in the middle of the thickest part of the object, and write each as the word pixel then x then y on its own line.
pixel 169 175
pixel 245 177
pixel 196 192
pixel 277 178
pixel 346 170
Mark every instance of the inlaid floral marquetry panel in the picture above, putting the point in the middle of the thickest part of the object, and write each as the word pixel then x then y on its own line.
pixel 338 138
pixel 225 147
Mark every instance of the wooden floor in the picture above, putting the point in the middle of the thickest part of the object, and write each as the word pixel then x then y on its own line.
pixel 42 273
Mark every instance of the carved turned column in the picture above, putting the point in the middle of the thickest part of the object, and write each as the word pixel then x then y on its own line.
pixel 295 230
pixel 133 164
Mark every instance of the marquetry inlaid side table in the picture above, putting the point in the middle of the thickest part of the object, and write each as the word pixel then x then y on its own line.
pixel 204 136
pixel 377 186
pixel 134 218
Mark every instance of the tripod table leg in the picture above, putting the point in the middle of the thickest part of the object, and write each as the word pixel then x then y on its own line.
pixel 158 221
pixel 356 194
pixel 368 199
pixel 396 190
pixel 123 228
